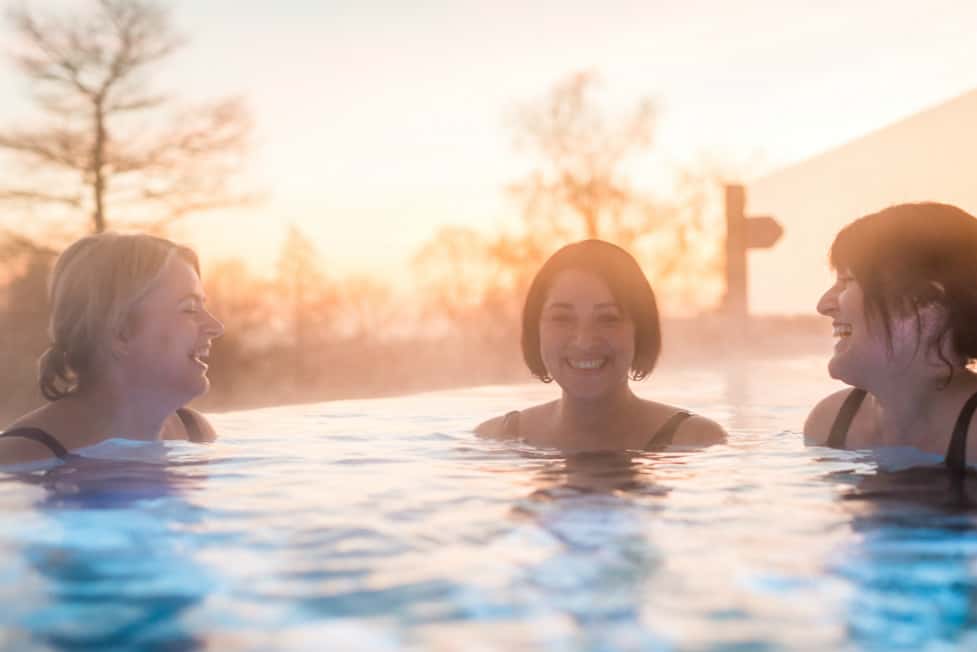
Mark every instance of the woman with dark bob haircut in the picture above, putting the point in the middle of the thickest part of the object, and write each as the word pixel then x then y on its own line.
pixel 904 310
pixel 590 323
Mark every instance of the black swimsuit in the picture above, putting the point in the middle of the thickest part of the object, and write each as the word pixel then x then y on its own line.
pixel 510 426
pixel 956 454
pixel 41 437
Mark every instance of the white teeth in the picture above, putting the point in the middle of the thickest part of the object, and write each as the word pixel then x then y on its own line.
pixel 842 330
pixel 586 364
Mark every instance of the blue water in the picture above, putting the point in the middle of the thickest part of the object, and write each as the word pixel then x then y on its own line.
pixel 385 525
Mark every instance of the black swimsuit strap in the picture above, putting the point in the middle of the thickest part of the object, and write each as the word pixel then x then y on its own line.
pixel 664 435
pixel 510 427
pixel 191 425
pixel 41 437
pixel 839 429
pixel 956 453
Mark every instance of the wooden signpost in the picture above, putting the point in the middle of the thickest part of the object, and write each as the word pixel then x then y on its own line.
pixel 743 233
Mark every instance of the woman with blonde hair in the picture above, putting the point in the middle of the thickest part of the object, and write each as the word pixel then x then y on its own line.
pixel 130 336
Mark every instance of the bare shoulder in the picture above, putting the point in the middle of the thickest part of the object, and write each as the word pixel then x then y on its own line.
pixel 818 424
pixel 18 450
pixel 494 428
pixel 38 418
pixel 174 428
pixel 203 423
pixel 694 430
pixel 699 431
pixel 512 425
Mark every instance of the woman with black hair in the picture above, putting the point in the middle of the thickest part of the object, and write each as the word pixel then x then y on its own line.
pixel 590 323
pixel 904 310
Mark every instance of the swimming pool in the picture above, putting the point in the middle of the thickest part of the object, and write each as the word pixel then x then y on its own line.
pixel 385 525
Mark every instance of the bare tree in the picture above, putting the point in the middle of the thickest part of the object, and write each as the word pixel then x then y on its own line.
pixel 473 283
pixel 453 271
pixel 581 188
pixel 302 286
pixel 246 305
pixel 105 145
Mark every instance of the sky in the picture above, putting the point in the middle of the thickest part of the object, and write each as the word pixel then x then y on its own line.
pixel 378 121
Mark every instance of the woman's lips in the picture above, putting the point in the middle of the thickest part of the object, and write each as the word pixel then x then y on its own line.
pixel 586 364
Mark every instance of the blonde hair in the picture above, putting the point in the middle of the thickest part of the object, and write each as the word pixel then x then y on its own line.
pixel 95 284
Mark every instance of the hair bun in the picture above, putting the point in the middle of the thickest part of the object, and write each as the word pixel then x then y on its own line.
pixel 55 377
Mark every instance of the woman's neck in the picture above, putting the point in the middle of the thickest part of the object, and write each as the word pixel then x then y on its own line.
pixel 587 418
pixel 913 406
pixel 108 412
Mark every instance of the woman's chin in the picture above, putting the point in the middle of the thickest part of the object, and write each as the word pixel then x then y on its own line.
pixel 195 388
pixel 587 389
pixel 839 370
pixel 203 386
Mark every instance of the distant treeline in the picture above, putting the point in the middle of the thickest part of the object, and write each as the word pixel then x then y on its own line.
pixel 301 337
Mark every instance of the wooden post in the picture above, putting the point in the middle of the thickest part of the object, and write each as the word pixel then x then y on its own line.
pixel 742 233
pixel 734 303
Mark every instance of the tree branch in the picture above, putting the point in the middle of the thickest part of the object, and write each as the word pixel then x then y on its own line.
pixel 86 71
pixel 58 146
pixel 36 196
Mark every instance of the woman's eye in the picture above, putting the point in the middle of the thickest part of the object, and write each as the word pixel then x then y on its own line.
pixel 560 318
pixel 608 319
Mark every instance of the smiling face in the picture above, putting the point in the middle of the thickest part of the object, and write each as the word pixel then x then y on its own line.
pixel 862 351
pixel 586 341
pixel 169 335
pixel 844 304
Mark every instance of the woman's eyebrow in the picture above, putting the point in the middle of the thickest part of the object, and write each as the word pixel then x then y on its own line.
pixel 562 305
pixel 193 295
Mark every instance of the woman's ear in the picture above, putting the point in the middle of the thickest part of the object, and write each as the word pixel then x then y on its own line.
pixel 121 336
pixel 933 318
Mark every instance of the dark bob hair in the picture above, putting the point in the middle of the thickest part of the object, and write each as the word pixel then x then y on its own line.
pixel 912 255
pixel 628 285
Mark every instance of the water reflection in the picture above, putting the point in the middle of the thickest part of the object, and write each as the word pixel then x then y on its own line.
pixel 107 556
pixel 919 490
pixel 87 483
pixel 595 513
pixel 912 569
pixel 596 473
pixel 738 393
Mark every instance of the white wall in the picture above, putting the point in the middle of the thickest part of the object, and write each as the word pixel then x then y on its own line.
pixel 931 156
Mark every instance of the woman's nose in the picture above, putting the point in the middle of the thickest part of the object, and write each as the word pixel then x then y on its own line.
pixel 828 304
pixel 214 326
pixel 584 335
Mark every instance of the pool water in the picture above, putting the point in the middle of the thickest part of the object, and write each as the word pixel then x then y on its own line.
pixel 386 525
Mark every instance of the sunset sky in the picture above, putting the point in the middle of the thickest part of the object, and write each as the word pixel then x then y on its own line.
pixel 376 122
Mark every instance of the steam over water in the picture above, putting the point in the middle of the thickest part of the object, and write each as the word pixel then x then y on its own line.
pixel 385 525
